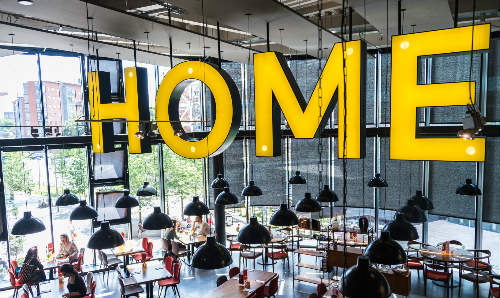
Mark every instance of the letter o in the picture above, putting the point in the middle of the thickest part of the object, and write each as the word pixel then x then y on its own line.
pixel 227 105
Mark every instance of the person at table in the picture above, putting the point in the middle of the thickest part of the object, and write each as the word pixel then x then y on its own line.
pixel 67 249
pixel 76 285
pixel 200 227
pixel 172 233
pixel 32 270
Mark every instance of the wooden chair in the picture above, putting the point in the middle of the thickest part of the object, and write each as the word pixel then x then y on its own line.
pixel 221 280
pixel 78 264
pixel 259 293
pixel 234 246
pixel 108 264
pixel 476 271
pixel 272 288
pixel 171 282
pixel 279 252
pixel 130 290
pixel 234 271
pixel 250 253
pixel 415 260
pixel 494 286
pixel 438 273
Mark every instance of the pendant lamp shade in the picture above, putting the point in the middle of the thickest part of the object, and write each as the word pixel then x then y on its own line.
pixel 386 251
pixel 254 233
pixel 157 220
pixel 422 201
pixel 126 201
pixel 326 195
pixel 196 208
pixel 105 238
pixel 284 217
pixel 67 198
pixel 146 190
pixel 401 230
pixel 307 204
pixel 362 281
pixel 297 179
pixel 413 213
pixel 219 182
pixel 377 181
pixel 83 212
pixel 251 190
pixel 28 225
pixel 226 197
pixel 211 255
pixel 468 189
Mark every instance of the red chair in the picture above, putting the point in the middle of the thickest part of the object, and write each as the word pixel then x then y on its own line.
pixel 15 282
pixel 234 271
pixel 321 289
pixel 259 293
pixel 14 265
pixel 92 291
pixel 272 288
pixel 171 282
pixel 279 254
pixel 78 264
pixel 50 247
pixel 494 286
pixel 438 273
pixel 138 256
pixel 169 263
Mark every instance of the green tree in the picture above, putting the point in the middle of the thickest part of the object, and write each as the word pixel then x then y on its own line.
pixel 17 175
pixel 70 166
pixel 141 168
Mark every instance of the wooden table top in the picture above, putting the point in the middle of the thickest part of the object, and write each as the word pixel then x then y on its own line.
pixel 232 288
pixel 453 256
pixel 153 271
pixel 188 239
pixel 129 248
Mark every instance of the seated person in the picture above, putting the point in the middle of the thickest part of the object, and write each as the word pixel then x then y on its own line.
pixel 200 227
pixel 32 270
pixel 172 233
pixel 76 285
pixel 67 249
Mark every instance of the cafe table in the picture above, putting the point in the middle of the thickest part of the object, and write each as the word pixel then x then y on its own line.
pixel 52 288
pixel 446 258
pixel 190 242
pixel 130 247
pixel 52 264
pixel 232 288
pixel 146 274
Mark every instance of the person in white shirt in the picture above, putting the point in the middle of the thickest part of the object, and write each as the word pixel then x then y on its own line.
pixel 200 227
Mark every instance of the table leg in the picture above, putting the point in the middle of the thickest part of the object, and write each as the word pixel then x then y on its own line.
pixel 51 274
pixel 149 290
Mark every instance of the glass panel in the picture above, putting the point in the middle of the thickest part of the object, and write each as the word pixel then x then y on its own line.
pixel 26 190
pixel 235 72
pixel 20 96
pixel 491 242
pixel 491 184
pixel 442 228
pixel 493 93
pixel 386 216
pixel 152 82
pixel 62 95
pixel 68 170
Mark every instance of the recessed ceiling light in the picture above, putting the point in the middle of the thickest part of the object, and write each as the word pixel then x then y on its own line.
pixel 25 2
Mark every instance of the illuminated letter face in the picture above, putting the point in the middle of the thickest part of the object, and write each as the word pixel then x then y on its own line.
pixel 134 108
pixel 227 105
pixel 407 95
pixel 276 88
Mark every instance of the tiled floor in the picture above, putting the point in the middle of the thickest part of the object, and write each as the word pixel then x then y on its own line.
pixel 196 283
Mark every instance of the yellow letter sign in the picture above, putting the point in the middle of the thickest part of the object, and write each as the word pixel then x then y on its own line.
pixel 276 88
pixel 407 95
pixel 135 108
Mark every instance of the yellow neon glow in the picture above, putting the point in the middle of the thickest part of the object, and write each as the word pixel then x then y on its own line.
pixel 224 109
pixel 270 79
pixel 129 110
pixel 407 95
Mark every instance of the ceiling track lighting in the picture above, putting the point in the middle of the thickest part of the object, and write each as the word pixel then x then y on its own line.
pixel 468 189
pixel 472 124
pixel 25 2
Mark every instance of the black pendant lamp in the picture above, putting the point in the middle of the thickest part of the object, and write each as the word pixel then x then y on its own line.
pixel 254 233
pixel 27 225
pixel 196 208
pixel 67 198
pixel 468 189
pixel 401 230
pixel 126 201
pixel 105 238
pixel 146 190
pixel 413 213
pixel 219 182
pixel 377 181
pixel 211 255
pixel 284 217
pixel 307 204
pixel 326 195
pixel 157 220
pixel 83 212
pixel 297 179
pixel 362 281
pixel 386 251
pixel 226 197
pixel 422 201
pixel 251 190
